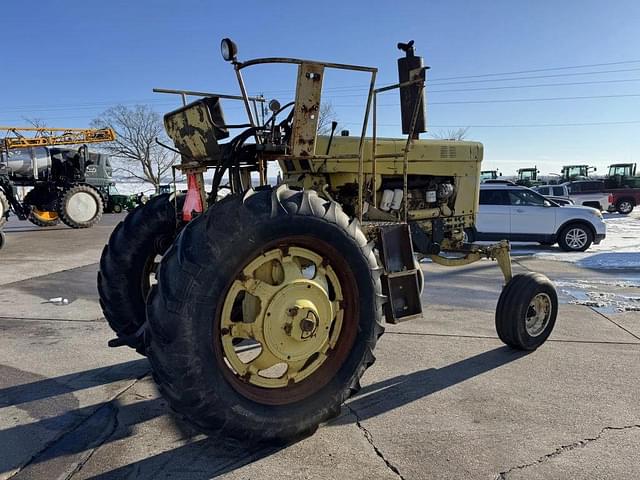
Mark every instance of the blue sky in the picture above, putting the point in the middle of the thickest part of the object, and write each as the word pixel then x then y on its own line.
pixel 66 61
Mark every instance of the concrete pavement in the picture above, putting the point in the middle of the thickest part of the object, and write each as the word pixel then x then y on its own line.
pixel 444 400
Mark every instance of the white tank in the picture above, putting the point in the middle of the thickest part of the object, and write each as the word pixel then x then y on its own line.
pixel 22 162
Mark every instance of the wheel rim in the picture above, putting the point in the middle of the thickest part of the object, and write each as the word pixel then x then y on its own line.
pixel 149 270
pixel 538 314
pixel 82 207
pixel 286 326
pixel 44 215
pixel 576 238
pixel 625 207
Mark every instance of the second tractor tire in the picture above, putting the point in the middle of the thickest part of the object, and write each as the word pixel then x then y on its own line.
pixel 128 261
pixel 185 343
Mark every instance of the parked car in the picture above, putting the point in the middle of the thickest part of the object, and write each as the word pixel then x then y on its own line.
pixel 557 193
pixel 581 192
pixel 590 193
pixel 519 214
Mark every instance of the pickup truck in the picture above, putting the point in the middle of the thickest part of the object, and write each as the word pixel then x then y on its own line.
pixel 589 193
pixel 624 200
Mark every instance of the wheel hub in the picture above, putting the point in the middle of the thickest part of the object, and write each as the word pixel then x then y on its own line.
pixel 297 321
pixel 538 314
pixel 44 215
pixel 289 301
pixel 576 238
pixel 82 207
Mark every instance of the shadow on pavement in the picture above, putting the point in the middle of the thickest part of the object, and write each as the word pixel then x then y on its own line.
pixel 33 228
pixel 209 457
pixel 50 387
pixel 387 395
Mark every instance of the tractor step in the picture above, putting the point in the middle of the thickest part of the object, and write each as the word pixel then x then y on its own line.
pixel 400 282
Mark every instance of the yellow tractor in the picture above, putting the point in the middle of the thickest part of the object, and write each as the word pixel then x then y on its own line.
pixel 263 308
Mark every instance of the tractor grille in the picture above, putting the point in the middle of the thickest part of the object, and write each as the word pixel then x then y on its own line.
pixel 447 152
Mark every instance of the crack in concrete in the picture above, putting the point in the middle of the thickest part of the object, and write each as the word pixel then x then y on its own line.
pixel 562 449
pixel 62 435
pixel 369 438
pixel 114 410
pixel 614 322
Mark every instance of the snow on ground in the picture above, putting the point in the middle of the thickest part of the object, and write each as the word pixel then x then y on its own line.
pixel 619 250
pixel 604 296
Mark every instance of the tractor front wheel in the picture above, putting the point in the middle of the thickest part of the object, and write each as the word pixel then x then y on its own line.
pixel 526 311
pixel 128 265
pixel 265 315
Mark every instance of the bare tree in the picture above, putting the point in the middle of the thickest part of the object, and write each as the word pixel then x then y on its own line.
pixel 452 134
pixel 135 147
pixel 326 116
pixel 35 122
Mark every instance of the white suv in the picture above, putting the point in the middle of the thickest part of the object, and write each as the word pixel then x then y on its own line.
pixel 519 214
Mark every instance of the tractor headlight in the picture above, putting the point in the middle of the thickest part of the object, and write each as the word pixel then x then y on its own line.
pixel 228 49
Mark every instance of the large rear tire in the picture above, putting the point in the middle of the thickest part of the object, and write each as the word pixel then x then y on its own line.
pixel 128 264
pixel 4 208
pixel 235 280
pixel 80 206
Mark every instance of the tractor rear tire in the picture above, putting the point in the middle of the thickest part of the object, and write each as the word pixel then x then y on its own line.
pixel 526 311
pixel 80 206
pixel 129 261
pixel 43 218
pixel 192 351
pixel 4 208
